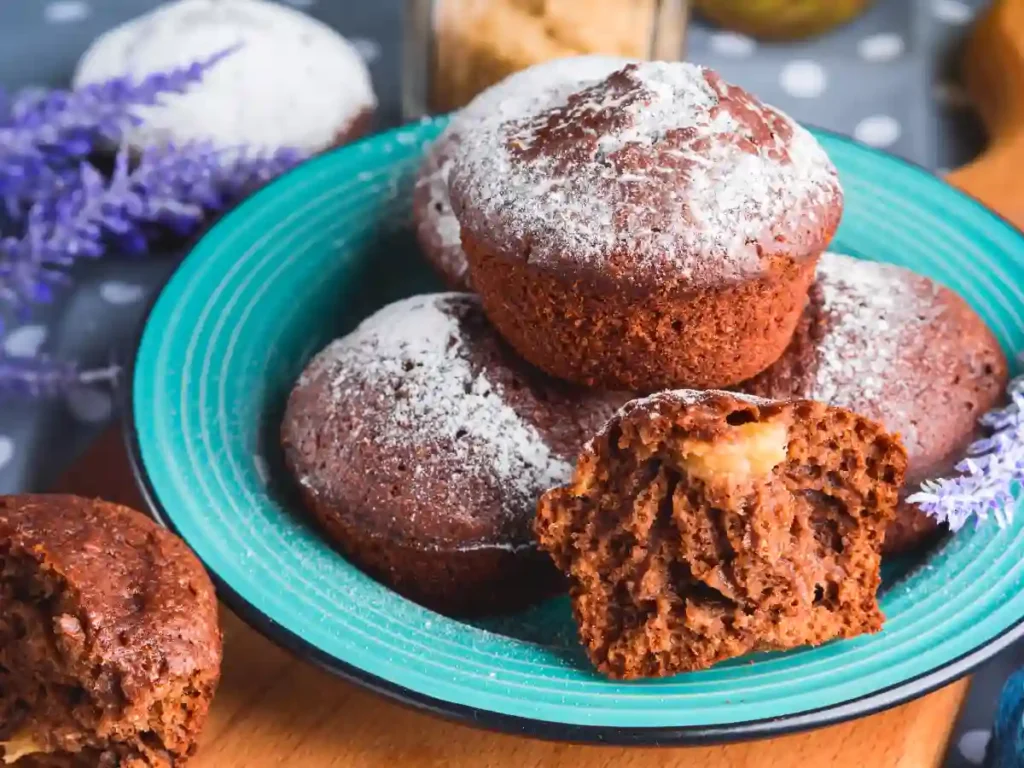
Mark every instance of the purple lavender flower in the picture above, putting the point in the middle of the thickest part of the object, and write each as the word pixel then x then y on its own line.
pixel 171 187
pixel 43 134
pixel 43 377
pixel 58 208
pixel 990 477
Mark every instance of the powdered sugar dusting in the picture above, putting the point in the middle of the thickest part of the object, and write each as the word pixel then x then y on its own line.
pixel 671 398
pixel 870 313
pixel 664 161
pixel 415 355
pixel 511 96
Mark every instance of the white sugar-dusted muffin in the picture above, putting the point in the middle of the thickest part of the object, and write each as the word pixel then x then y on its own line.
pixel 293 81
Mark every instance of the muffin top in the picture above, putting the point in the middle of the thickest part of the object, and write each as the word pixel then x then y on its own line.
pixel 659 175
pixel 896 347
pixel 290 80
pixel 437 227
pixel 425 421
pixel 146 608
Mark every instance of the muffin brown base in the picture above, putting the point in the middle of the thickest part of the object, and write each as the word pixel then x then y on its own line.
pixel 910 529
pixel 598 336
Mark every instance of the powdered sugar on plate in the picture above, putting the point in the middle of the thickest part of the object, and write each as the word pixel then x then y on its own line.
pixel 661 163
pixel 430 400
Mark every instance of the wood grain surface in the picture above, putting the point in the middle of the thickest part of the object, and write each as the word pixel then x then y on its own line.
pixel 273 710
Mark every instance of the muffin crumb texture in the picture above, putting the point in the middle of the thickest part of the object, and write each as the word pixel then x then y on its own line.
pixel 109 644
pixel 701 526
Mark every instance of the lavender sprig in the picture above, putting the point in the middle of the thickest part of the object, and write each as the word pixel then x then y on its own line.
pixel 171 187
pixel 44 377
pixel 57 208
pixel 43 134
pixel 991 475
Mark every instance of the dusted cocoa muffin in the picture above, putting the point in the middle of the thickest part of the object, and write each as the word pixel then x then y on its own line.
pixel 902 350
pixel 658 228
pixel 700 526
pixel 437 229
pixel 421 444
pixel 110 649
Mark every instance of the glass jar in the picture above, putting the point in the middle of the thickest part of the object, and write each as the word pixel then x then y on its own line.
pixel 456 48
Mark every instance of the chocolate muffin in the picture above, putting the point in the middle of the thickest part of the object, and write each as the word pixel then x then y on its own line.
pixel 437 229
pixel 658 228
pixel 421 444
pixel 898 348
pixel 700 526
pixel 110 649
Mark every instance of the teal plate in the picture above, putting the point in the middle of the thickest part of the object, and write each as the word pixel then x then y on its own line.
pixel 305 259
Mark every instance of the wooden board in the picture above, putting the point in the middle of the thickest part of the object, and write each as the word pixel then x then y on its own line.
pixel 273 710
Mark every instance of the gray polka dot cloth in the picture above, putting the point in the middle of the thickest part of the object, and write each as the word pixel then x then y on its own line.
pixel 888 79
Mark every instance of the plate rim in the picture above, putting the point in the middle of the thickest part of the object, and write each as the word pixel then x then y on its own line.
pixel 691 735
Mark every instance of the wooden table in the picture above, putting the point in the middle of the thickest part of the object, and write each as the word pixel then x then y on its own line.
pixel 273 710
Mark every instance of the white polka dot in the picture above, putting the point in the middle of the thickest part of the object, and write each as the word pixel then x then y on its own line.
pixel 368 49
pixel 803 79
pixel 878 131
pixel 952 11
pixel 90 404
pixel 732 44
pixel 952 95
pixel 972 746
pixel 6 450
pixel 883 47
pixel 66 11
pixel 116 292
pixel 25 341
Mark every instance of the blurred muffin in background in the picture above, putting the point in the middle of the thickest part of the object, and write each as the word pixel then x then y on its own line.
pixel 290 80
